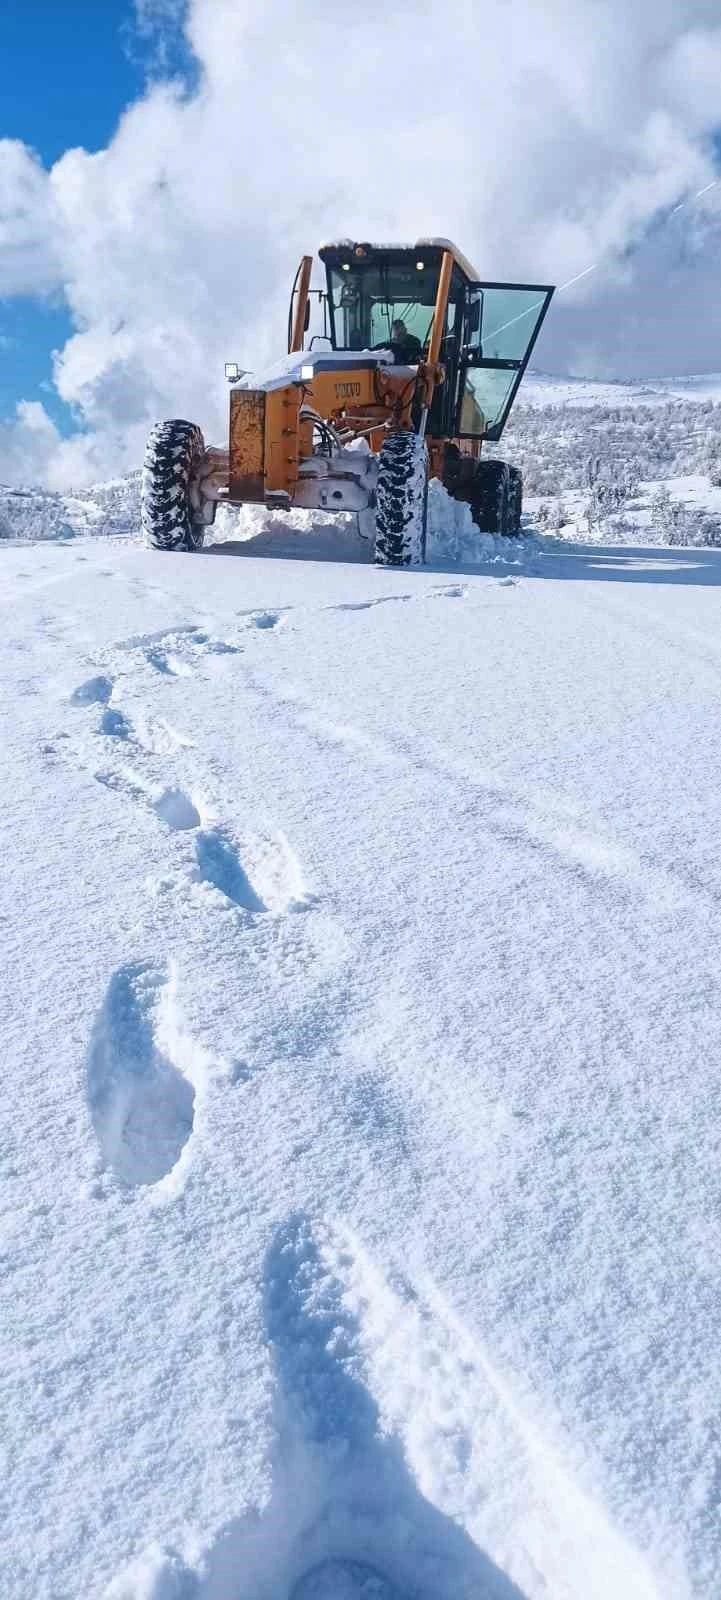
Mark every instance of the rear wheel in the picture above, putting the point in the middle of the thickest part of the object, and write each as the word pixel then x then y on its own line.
pixel 402 502
pixel 170 508
pixel 490 497
pixel 515 499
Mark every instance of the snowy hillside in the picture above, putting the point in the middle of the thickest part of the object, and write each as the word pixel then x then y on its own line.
pixel 108 508
pixel 543 389
pixel 361 1043
pixel 627 463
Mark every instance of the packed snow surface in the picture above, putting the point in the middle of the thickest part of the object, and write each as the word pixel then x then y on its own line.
pixel 361 1025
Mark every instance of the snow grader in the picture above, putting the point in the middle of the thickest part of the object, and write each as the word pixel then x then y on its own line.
pixel 417 363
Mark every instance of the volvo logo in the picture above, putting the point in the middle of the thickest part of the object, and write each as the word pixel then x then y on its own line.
pixel 348 391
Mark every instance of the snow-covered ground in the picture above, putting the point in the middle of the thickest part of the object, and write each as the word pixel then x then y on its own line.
pixel 361 1026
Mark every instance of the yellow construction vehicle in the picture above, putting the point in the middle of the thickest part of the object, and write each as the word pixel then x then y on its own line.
pixel 418 361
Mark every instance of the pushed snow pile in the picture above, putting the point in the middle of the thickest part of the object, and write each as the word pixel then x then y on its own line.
pixel 452 534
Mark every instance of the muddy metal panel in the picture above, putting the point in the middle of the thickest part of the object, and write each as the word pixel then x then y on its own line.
pixel 247 444
pixel 282 439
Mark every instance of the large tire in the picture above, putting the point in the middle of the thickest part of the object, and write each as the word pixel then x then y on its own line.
pixel 515 499
pixel 169 518
pixel 402 502
pixel 490 497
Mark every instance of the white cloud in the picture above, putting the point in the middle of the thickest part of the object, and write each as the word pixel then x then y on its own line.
pixel 28 444
pixel 543 135
pixel 29 258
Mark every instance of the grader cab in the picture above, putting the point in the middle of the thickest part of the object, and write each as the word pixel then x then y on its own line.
pixel 417 362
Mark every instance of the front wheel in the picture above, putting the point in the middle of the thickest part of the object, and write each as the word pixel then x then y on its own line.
pixel 401 502
pixel 170 509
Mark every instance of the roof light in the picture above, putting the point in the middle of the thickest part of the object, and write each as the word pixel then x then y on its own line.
pixel 360 250
pixel 307 372
pixel 345 266
pixel 419 266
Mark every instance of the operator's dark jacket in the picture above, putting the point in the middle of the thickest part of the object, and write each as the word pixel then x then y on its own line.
pixel 408 351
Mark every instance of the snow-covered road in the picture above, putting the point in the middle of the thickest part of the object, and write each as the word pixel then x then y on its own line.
pixel 361 1052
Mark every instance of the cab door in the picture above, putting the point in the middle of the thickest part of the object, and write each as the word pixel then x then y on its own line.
pixel 503 321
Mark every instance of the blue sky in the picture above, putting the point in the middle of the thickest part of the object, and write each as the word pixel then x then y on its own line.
pixel 55 93
pixel 65 72
pixel 68 70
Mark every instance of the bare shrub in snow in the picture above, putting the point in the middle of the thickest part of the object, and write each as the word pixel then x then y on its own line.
pixel 554 444
pixel 551 515
pixel 679 524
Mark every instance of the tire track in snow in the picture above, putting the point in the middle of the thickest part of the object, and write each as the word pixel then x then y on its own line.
pixel 648 620
pixel 537 818
pixel 454 591
pixel 368 605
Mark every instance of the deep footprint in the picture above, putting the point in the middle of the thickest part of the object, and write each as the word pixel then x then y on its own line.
pixel 177 810
pixel 141 1106
pixel 266 619
pixel 114 724
pixel 94 692
pixel 168 665
pixel 219 865
pixel 263 619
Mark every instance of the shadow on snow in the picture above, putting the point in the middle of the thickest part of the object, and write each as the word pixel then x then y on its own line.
pixel 542 558
pixel 342 1492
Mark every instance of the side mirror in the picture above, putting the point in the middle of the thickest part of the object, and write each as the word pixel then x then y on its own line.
pixel 474 316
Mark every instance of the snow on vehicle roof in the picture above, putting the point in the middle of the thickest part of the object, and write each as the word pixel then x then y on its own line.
pixel 288 369
pixel 398 244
